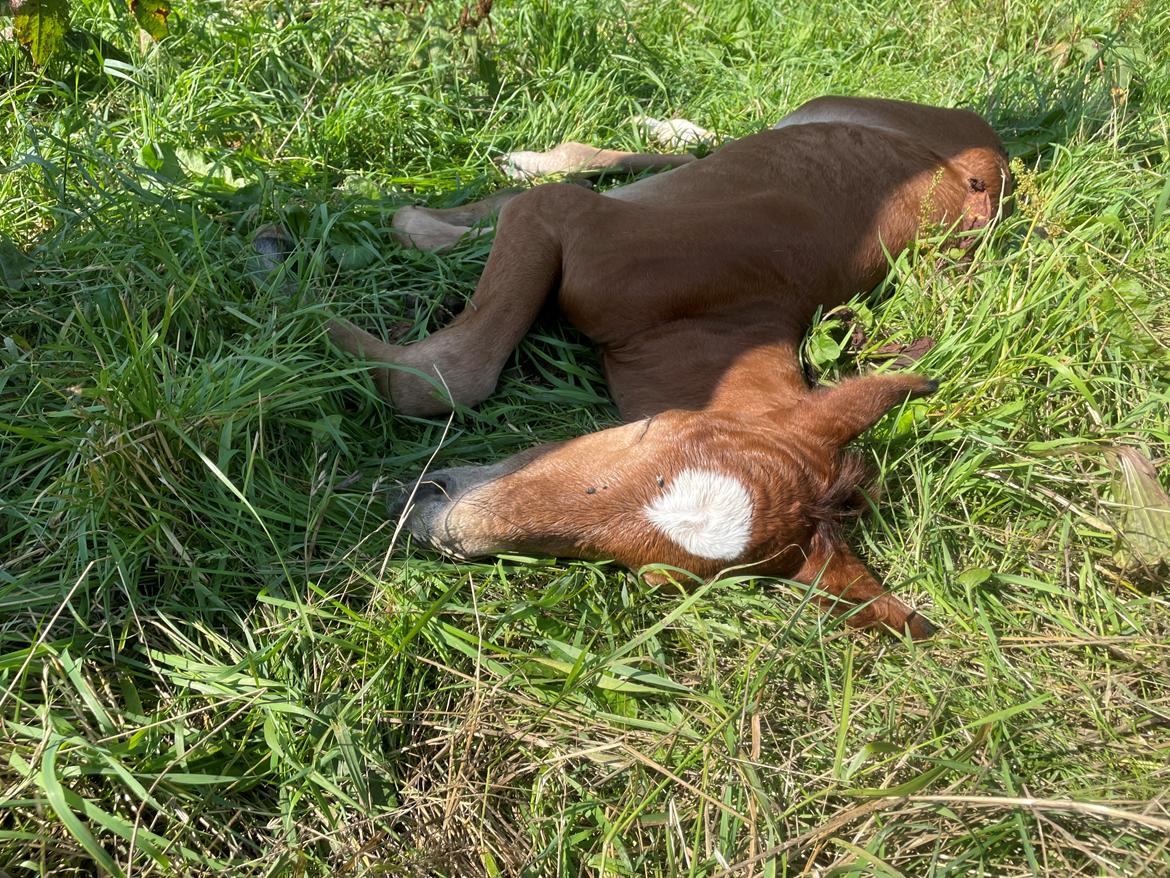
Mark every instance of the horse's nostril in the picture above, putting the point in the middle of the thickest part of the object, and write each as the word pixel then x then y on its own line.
pixel 431 487
pixel 396 503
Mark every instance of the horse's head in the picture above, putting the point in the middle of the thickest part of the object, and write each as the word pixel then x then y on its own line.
pixel 700 490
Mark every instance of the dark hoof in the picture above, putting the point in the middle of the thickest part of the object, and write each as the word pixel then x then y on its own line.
pixel 926 388
pixel 271 248
pixel 919 627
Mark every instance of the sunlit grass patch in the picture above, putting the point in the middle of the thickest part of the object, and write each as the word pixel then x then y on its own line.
pixel 216 657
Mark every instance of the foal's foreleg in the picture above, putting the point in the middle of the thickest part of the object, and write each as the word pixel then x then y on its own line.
pixel 845 586
pixel 461 363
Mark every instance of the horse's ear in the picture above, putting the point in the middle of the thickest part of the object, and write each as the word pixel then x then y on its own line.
pixel 838 415
pixel 846 586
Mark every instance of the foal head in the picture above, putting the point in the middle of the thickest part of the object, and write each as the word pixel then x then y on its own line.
pixel 700 490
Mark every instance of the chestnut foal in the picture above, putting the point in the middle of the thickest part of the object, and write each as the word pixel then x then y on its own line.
pixel 697 285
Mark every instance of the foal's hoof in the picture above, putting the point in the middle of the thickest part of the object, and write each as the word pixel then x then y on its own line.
pixel 521 166
pixel 675 133
pixel 919 627
pixel 926 387
pixel 271 248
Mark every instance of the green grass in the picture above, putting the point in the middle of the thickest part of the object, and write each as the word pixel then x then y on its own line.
pixel 216 660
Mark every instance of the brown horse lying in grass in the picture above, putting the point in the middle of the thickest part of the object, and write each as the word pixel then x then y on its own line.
pixel 698 286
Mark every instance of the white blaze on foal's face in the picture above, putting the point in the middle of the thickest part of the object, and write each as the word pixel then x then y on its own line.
pixel 707 513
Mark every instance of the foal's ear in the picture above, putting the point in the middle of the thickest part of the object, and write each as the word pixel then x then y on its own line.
pixel 840 414
pixel 845 585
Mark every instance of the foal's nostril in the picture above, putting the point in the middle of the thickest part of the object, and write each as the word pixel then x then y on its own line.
pixel 396 503
pixel 430 488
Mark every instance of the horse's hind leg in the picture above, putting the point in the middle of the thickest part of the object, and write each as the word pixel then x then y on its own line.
pixel 461 363
pixel 440 229
pixel 581 159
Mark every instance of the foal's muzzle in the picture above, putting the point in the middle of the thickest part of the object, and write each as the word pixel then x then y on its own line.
pixel 432 510
pixel 453 510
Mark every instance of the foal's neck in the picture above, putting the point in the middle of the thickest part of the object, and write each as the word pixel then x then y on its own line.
pixel 761 379
pixel 747 367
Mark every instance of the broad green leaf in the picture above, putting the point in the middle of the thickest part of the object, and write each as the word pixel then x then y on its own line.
pixel 163 159
pixel 823 349
pixel 973 577
pixel 152 16
pixel 358 186
pixel 1143 511
pixel 40 26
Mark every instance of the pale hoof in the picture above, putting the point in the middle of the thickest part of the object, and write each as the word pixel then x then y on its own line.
pixel 568 158
pixel 417 227
pixel 675 133
pixel 527 165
